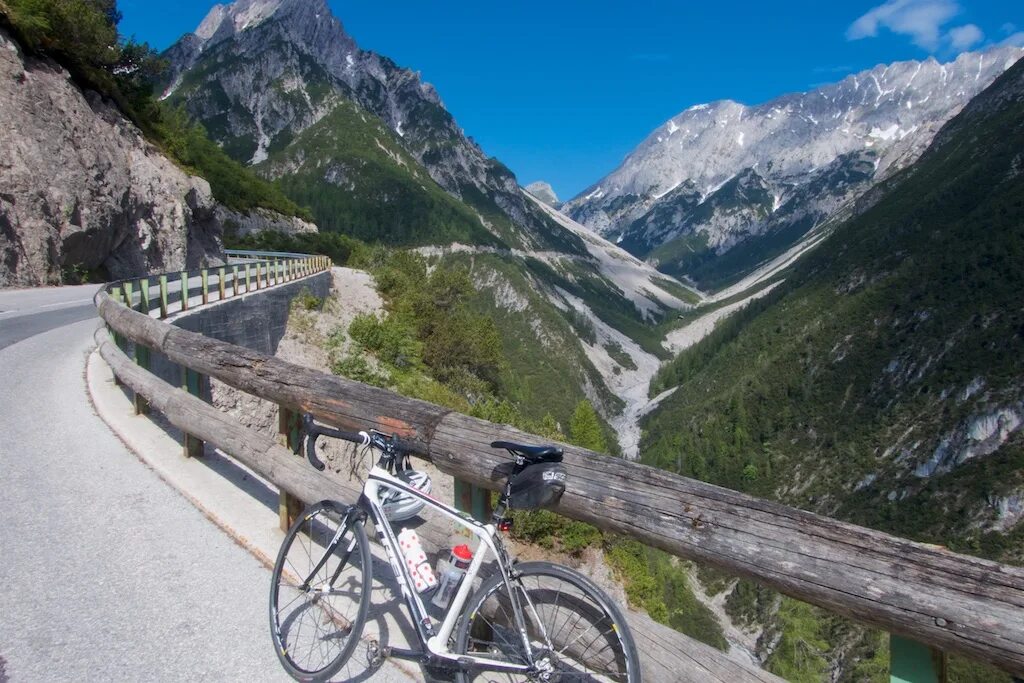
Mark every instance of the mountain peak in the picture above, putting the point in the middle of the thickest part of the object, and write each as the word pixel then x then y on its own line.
pixel 225 21
pixel 544 192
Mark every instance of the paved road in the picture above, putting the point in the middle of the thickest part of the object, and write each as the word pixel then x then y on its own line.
pixel 106 572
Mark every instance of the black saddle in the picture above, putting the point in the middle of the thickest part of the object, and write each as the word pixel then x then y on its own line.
pixel 532 455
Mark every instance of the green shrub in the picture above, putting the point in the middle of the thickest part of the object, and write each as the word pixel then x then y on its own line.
pixel 390 340
pixel 308 301
pixel 357 368
pixel 658 583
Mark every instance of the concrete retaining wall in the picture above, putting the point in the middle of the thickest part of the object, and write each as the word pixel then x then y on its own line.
pixel 256 321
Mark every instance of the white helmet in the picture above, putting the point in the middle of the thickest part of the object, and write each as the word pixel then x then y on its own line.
pixel 400 506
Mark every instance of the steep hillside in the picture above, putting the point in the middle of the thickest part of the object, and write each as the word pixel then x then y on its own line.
pixel 354 175
pixel 258 73
pixel 722 187
pixel 881 382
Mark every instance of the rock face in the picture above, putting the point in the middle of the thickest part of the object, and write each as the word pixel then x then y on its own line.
pixel 724 174
pixel 81 189
pixel 261 220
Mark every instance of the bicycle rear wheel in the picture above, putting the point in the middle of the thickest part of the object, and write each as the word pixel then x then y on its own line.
pixel 319 599
pixel 571 624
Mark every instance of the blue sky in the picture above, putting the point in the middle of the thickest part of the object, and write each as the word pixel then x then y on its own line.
pixel 562 90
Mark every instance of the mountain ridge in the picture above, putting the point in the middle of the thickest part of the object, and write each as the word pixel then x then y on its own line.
pixel 814 151
pixel 284 40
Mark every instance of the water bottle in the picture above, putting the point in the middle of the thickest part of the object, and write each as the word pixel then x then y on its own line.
pixel 416 560
pixel 452 572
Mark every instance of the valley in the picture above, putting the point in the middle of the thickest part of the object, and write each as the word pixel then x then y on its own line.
pixel 814 300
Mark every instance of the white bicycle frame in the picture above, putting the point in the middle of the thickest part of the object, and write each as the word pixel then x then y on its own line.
pixel 437 641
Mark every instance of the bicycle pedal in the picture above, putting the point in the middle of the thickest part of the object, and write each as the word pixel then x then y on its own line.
pixel 375 654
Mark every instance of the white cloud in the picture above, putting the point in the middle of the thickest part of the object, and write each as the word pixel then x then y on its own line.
pixel 1016 40
pixel 965 37
pixel 922 20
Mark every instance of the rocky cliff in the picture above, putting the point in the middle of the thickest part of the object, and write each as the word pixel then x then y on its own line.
pixel 81 190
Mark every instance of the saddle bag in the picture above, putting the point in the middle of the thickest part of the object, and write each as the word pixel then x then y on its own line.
pixel 537 486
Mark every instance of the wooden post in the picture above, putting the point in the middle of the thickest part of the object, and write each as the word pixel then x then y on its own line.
pixel 234 280
pixel 129 295
pixel 192 382
pixel 220 282
pixel 119 339
pixel 144 295
pixel 184 290
pixel 913 662
pixel 248 279
pixel 139 401
pixel 277 271
pixel 206 286
pixel 289 429
pixel 163 296
pixel 473 499
pixel 141 352
pixel 259 267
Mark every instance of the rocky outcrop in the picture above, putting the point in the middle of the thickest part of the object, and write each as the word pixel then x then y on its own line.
pixel 261 220
pixel 80 189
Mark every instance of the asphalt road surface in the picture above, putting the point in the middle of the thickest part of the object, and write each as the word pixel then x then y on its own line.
pixel 107 573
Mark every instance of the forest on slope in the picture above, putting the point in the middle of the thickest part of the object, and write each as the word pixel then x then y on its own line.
pixel 880 382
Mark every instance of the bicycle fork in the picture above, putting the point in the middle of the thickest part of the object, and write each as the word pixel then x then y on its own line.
pixel 543 666
pixel 344 526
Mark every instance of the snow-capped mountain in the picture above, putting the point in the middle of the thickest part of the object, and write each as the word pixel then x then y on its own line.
pixel 724 177
pixel 259 73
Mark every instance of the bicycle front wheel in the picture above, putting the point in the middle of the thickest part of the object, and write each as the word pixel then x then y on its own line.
pixel 575 632
pixel 320 592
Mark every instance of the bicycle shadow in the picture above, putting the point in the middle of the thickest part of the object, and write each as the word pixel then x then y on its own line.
pixel 388 625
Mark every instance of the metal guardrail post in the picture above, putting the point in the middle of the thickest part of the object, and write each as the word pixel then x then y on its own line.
pixel 192 382
pixel 289 429
pixel 913 662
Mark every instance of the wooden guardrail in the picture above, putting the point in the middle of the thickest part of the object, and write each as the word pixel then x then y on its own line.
pixel 952 602
pixel 666 655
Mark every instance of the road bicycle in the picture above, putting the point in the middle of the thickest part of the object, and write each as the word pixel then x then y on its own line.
pixel 526 621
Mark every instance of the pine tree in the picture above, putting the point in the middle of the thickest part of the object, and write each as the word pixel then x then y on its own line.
pixel 585 428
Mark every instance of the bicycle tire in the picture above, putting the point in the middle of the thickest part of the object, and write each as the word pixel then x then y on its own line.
pixel 569 620
pixel 331 614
